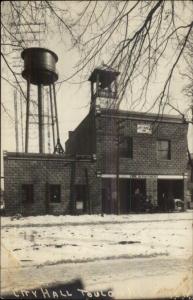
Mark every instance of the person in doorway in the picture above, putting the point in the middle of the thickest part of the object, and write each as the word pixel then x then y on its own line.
pixel 164 202
pixel 171 204
pixel 148 206
pixel 114 202
pixel 137 200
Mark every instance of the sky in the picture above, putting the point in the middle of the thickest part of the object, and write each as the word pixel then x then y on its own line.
pixel 73 98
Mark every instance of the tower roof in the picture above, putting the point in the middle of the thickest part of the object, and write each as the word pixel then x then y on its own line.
pixel 106 75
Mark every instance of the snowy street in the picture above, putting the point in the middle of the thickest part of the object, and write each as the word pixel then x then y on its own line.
pixel 134 256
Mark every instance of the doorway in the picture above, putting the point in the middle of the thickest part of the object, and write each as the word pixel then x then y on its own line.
pixel 81 198
pixel 127 188
pixel 167 191
pixel 109 196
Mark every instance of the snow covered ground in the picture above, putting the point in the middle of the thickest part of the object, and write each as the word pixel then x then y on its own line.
pixel 120 252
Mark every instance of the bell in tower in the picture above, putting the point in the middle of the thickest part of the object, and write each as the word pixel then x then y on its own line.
pixel 103 87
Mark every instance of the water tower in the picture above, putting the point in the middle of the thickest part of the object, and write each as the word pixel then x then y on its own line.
pixel 40 70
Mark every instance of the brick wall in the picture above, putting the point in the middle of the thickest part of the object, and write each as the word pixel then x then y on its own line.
pixel 151 189
pixel 82 139
pixel 145 160
pixel 42 170
pixel 39 171
pixel 87 171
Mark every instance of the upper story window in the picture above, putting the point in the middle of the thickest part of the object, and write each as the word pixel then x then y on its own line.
pixel 164 149
pixel 55 193
pixel 126 147
pixel 27 193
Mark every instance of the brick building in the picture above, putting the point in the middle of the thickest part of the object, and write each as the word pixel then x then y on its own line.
pixel 133 150
pixel 110 157
pixel 49 184
pixel 152 156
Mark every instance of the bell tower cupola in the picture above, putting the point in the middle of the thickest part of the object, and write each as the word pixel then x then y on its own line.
pixel 103 87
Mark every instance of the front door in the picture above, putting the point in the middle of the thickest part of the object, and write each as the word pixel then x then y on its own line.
pixel 168 190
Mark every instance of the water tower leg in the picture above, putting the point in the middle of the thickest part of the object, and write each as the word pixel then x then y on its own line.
pixel 40 116
pixel 56 114
pixel 52 116
pixel 58 148
pixel 27 117
pixel 43 127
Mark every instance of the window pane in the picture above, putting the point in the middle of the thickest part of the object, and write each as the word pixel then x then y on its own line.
pixel 163 149
pixel 126 147
pixel 163 145
pixel 163 154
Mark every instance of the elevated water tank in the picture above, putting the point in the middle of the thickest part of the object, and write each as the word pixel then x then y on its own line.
pixel 39 66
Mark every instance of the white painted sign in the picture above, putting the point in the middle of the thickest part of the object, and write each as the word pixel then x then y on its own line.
pixel 143 176
pixel 127 176
pixel 79 205
pixel 144 128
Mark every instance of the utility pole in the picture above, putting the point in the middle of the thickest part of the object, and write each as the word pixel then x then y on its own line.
pixel 117 176
pixel 119 127
pixel 88 203
pixel 72 188
pixel 21 117
pixel 16 121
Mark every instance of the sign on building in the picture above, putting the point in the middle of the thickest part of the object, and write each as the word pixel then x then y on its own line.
pixel 144 128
